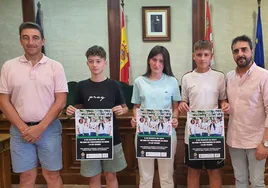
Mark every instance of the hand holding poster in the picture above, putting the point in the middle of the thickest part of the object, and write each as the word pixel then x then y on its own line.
pixel 206 134
pixel 94 134
pixel 154 133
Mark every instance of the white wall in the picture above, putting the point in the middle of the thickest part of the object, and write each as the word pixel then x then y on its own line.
pixel 233 18
pixel 73 26
pixel 179 47
pixel 10 19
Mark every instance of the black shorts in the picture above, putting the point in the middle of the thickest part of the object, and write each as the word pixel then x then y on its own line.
pixel 199 164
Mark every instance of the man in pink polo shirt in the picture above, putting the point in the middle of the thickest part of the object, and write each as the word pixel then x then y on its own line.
pixel 33 91
pixel 247 136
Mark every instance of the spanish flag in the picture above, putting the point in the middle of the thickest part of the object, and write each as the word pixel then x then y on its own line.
pixel 39 21
pixel 208 34
pixel 124 54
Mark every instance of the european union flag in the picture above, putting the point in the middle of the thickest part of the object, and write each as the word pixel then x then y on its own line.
pixel 259 54
pixel 39 20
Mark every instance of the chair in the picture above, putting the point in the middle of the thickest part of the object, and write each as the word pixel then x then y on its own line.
pixel 127 92
pixel 70 97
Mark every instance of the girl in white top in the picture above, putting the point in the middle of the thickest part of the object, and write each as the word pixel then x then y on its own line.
pixel 192 127
pixel 108 125
pixel 198 129
pixel 86 126
pixel 140 125
pixel 80 127
pixel 93 128
pixel 212 128
pixel 104 128
pixel 163 127
pixel 146 126
pixel 153 126
pixel 157 89
pixel 219 127
pixel 205 126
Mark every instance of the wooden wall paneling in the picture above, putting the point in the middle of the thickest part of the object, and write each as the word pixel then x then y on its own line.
pixel 180 168
pixel 114 34
pixel 5 164
pixel 28 10
pixel 198 22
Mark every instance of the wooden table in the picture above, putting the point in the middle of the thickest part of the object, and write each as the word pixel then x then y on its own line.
pixel 5 171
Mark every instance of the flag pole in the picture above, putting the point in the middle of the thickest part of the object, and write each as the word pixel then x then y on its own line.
pixel 259 52
pixel 259 2
pixel 122 4
pixel 124 53
pixel 39 5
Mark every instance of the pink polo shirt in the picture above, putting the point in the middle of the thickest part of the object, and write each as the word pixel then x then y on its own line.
pixel 248 98
pixel 32 89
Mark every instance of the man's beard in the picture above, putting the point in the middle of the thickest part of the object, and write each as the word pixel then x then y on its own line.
pixel 247 62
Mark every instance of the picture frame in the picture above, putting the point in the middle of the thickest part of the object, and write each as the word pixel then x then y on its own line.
pixel 156 23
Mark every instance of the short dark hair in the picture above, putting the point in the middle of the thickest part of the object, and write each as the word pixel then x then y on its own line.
pixel 31 25
pixel 96 51
pixel 203 45
pixel 243 38
pixel 155 51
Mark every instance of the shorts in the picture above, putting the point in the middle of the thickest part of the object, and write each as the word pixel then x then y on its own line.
pixel 92 168
pixel 200 164
pixel 48 150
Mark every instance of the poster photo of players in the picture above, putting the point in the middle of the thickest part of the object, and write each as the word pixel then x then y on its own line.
pixel 154 133
pixel 94 134
pixel 206 134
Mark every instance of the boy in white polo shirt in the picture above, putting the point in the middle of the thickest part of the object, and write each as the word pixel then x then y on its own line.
pixel 202 89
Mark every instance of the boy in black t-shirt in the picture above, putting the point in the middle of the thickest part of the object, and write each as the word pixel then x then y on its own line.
pixel 99 92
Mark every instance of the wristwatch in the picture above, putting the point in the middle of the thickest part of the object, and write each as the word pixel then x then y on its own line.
pixel 265 143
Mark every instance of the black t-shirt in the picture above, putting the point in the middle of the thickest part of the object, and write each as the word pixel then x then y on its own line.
pixel 100 95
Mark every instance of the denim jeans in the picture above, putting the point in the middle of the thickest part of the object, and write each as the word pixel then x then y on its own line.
pixel 246 165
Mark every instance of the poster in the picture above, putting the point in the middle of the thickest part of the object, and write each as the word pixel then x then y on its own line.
pixel 206 134
pixel 154 131
pixel 94 134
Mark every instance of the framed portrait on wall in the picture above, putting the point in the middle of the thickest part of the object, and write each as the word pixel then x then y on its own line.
pixel 156 23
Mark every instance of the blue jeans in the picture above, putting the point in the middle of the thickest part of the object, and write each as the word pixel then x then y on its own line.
pixel 103 134
pixel 245 164
pixel 165 134
pixel 93 134
pixel 146 133
pixel 204 134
